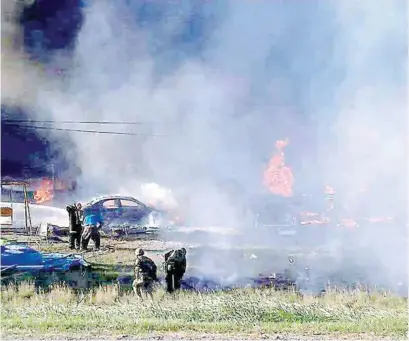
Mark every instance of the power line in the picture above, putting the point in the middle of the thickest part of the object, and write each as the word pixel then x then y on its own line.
pixel 82 122
pixel 92 131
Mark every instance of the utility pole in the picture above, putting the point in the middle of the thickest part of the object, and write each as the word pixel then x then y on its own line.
pixel 53 176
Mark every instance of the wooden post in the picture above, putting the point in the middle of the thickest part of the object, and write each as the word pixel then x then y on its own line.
pixel 25 210
pixel 53 170
pixel 28 209
pixel 11 205
pixel 27 215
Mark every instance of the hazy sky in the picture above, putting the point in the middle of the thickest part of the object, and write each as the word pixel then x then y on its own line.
pixel 233 77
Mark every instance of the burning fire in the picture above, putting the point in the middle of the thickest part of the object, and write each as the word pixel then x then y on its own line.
pixel 45 192
pixel 278 177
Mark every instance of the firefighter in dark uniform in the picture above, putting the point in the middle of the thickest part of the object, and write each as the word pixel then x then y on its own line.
pixel 145 274
pixel 175 268
pixel 75 216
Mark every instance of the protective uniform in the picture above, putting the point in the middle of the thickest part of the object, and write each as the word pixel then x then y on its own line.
pixel 75 224
pixel 175 268
pixel 92 224
pixel 145 274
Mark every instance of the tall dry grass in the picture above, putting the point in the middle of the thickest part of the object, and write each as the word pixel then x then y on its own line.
pixel 110 310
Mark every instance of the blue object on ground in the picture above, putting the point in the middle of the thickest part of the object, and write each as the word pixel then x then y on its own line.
pixel 20 257
pixel 18 254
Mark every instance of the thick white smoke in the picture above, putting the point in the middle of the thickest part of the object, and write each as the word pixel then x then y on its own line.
pixel 19 78
pixel 328 76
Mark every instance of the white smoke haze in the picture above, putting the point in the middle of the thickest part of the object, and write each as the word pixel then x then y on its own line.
pixel 222 112
pixel 19 77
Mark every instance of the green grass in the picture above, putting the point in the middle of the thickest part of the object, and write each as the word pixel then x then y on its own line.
pixel 121 252
pixel 109 311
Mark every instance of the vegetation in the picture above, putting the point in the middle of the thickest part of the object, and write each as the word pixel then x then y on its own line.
pixel 110 311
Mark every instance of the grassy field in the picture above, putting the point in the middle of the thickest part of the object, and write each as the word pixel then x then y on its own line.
pixel 109 312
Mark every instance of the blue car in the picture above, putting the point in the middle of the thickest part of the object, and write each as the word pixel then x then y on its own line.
pixel 119 210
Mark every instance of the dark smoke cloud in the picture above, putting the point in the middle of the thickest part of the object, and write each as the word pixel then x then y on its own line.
pixel 225 80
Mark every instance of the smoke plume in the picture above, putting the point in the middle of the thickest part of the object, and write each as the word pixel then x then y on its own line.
pixel 327 76
pixel 20 79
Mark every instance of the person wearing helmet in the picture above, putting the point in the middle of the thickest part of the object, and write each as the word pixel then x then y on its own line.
pixel 175 268
pixel 92 224
pixel 75 216
pixel 145 274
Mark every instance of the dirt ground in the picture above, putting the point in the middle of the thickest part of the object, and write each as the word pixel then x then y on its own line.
pixel 209 258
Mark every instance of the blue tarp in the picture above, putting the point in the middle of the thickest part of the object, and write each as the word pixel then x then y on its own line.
pixel 21 257
pixel 18 254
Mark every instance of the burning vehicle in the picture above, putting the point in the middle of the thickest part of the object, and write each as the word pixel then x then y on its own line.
pixel 121 213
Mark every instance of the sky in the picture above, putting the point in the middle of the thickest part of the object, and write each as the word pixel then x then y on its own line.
pixel 224 80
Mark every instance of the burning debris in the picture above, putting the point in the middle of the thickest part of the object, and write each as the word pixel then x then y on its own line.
pixel 45 192
pixel 278 177
pixel 202 283
pixel 125 215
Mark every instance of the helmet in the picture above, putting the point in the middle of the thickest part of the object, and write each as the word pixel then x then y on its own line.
pixel 183 250
pixel 139 252
pixel 79 205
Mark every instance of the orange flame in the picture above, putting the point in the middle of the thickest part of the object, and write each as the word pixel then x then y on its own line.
pixel 278 177
pixel 45 192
